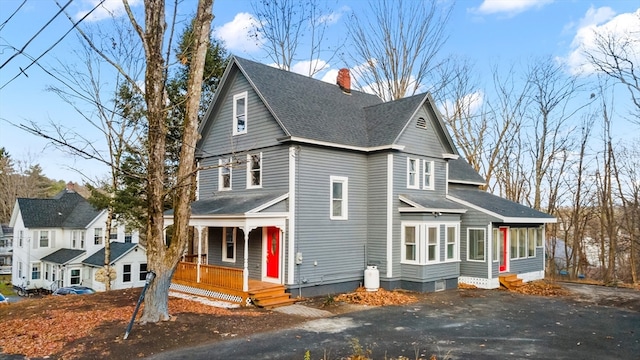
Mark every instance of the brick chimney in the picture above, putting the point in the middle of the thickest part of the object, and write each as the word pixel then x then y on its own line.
pixel 344 80
pixel 71 187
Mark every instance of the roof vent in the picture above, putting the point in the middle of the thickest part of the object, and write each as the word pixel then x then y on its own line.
pixel 344 80
pixel 421 123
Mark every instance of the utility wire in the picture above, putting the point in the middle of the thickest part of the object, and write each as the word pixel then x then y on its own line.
pixel 10 16
pixel 36 35
pixel 54 44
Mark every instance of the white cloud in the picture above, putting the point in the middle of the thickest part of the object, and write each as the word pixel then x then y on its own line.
pixel 110 8
pixel 334 17
pixel 603 22
pixel 471 103
pixel 509 7
pixel 330 76
pixel 302 67
pixel 237 34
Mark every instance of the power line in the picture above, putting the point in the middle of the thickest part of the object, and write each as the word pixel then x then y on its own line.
pixel 10 16
pixel 22 71
pixel 36 34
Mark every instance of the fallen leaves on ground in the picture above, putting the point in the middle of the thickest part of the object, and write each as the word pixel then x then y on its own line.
pixel 466 286
pixel 71 318
pixel 541 288
pixel 377 298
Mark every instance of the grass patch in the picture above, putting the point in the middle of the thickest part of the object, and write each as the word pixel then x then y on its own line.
pixel 6 288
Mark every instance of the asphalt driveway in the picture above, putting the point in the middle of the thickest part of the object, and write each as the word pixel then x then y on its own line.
pixel 474 324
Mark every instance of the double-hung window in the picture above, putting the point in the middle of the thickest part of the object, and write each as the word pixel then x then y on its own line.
pixel 240 113
pixel 476 239
pixel 339 198
pixel 44 238
pixel 21 238
pixel 451 239
pixel 75 277
pixel 143 272
pixel 427 175
pixel 224 174
pixel 254 171
pixel 97 236
pixel 35 271
pixel 413 181
pixel 126 273
pixel 420 243
pixel 229 244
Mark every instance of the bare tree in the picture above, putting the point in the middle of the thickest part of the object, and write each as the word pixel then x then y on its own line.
pixel 395 46
pixel 162 258
pixel 615 55
pixel 284 25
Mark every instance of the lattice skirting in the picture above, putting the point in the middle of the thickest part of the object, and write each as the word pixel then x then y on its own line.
pixel 207 293
pixel 480 282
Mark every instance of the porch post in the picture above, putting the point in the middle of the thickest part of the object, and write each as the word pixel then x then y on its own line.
pixel 245 270
pixel 198 230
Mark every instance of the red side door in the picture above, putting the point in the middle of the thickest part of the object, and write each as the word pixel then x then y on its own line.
pixel 502 248
pixel 273 252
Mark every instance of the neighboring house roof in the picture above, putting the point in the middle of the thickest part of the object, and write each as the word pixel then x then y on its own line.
pixel 234 204
pixel 460 171
pixel 314 110
pixel 503 209
pixel 65 210
pixel 63 256
pixel 117 249
pixel 427 203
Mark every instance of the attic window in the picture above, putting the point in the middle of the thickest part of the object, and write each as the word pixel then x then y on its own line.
pixel 421 123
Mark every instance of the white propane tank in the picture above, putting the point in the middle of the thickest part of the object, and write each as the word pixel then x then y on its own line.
pixel 371 278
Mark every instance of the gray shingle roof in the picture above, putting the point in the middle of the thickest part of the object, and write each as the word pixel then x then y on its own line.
pixel 435 203
pixel 461 171
pixel 63 256
pixel 502 207
pixel 65 210
pixel 230 204
pixel 310 108
pixel 118 250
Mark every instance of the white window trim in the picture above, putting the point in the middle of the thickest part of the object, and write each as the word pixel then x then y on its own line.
pixel 101 238
pixel 130 273
pixel 224 244
pixel 427 164
pixel 79 276
pixel 21 238
pixel 345 197
pixel 485 244
pixel 222 163
pixel 529 242
pixel 235 118
pixel 403 251
pixel 427 226
pixel 48 239
pixel 456 246
pixel 250 170
pixel 416 175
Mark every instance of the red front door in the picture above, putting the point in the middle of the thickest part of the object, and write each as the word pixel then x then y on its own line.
pixel 502 249
pixel 273 252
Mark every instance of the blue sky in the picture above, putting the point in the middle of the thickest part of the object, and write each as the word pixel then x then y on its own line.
pixel 490 32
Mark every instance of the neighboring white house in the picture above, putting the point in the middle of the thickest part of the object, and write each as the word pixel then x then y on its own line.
pixel 6 249
pixel 57 242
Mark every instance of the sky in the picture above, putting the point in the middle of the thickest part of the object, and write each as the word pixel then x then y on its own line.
pixel 489 32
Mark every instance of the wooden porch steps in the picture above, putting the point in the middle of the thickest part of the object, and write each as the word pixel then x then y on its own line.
pixel 510 281
pixel 270 296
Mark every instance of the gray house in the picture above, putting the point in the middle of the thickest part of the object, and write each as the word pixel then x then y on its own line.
pixel 304 184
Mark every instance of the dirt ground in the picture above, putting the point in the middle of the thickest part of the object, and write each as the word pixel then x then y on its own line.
pixel 92 326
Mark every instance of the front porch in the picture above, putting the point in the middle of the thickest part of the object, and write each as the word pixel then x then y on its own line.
pixel 227 284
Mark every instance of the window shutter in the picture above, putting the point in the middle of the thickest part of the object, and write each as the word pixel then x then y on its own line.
pixel 52 239
pixel 35 239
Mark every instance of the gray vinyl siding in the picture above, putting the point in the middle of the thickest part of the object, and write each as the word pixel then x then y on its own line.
pixel 214 251
pixel 432 272
pixel 262 129
pixel 474 219
pixel 423 141
pixel 275 173
pixel 333 250
pixel 377 212
pixel 525 265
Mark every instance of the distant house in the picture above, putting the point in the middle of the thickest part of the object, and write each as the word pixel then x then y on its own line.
pixel 307 185
pixel 6 249
pixel 58 240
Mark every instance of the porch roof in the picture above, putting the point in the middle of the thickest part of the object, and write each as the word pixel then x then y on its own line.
pixel 423 203
pixel 506 210
pixel 117 250
pixel 236 204
pixel 63 256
